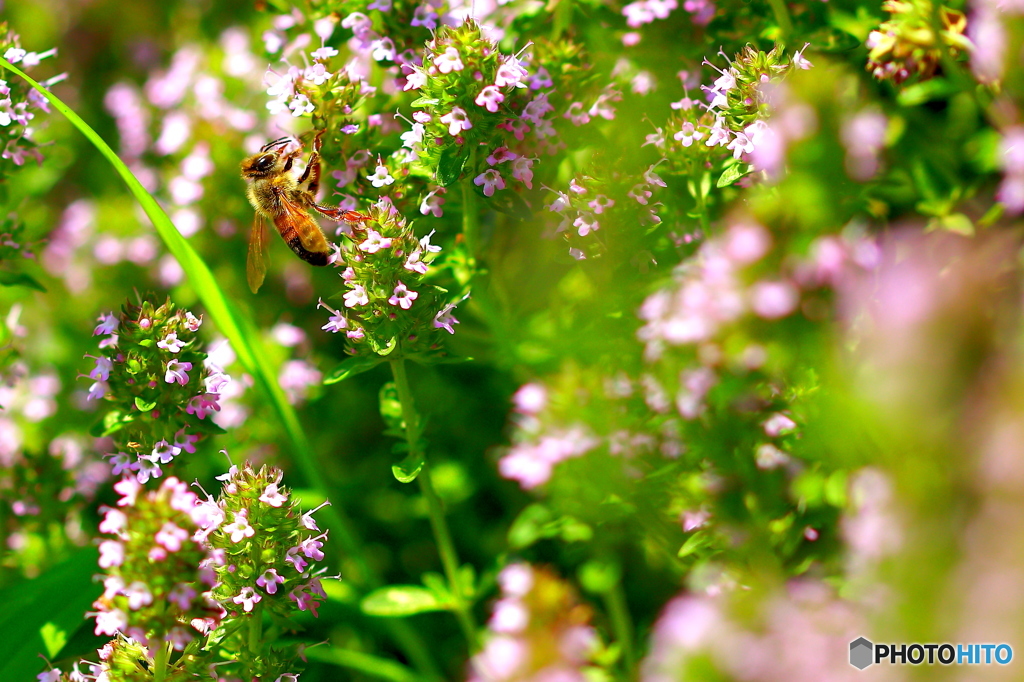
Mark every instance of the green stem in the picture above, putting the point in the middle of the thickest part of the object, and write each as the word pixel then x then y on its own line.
pixel 615 601
pixel 442 535
pixel 256 631
pixel 470 212
pixel 702 207
pixel 782 16
pixel 160 663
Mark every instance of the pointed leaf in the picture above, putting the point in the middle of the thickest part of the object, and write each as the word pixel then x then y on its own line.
pixel 11 279
pixel 349 367
pixel 731 174
pixel 144 405
pixel 38 613
pixel 453 160
pixel 399 601
pixel 409 468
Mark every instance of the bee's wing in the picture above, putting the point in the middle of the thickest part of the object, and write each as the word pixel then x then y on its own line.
pixel 256 262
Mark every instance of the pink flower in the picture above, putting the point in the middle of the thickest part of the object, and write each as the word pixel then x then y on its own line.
pixel 501 155
pixel 111 554
pixel 356 297
pixel 248 598
pixel 202 405
pixel 374 242
pixel 171 537
pixel 688 134
pixel 772 300
pixel 240 528
pixel 177 372
pixel 444 319
pixel 431 203
pixel 305 601
pixel 489 180
pixel 489 98
pixel 138 595
pixel 457 120
pixel 586 223
pixel 449 61
pixel 110 622
pixel 600 203
pixel 311 548
pixel 403 297
pixel 269 581
pixel 108 325
pixel 272 496
pixel 521 170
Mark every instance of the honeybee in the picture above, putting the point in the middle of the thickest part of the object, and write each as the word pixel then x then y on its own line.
pixel 286 200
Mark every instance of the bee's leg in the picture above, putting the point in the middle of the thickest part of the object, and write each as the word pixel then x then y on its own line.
pixel 312 172
pixel 331 212
pixel 311 176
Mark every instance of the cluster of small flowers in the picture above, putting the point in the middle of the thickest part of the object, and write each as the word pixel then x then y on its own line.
pixel 696 637
pixel 19 100
pixel 402 27
pixel 124 660
pixel 736 115
pixel 646 11
pixel 315 91
pixel 155 590
pixel 469 90
pixel 906 46
pixel 589 202
pixel 387 300
pixel 158 408
pixel 43 490
pixel 262 548
pixel 532 460
pixel 180 568
pixel 711 294
pixel 538 631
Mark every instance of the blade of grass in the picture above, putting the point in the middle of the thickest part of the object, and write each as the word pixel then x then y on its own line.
pixel 249 348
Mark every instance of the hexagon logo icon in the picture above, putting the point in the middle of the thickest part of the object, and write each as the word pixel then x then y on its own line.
pixel 861 653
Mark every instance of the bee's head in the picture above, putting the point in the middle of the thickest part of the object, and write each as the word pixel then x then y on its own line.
pixel 272 158
pixel 261 165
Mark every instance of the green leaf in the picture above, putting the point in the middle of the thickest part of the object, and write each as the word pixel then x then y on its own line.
pixel 409 468
pixel 12 279
pixel 368 664
pixel 925 91
pixel 382 349
pixel 399 601
pixel 731 174
pixel 349 367
pixel 144 405
pixel 695 542
pixel 38 613
pixel 599 577
pixel 954 222
pixel 54 638
pixel 449 166
pixel 390 406
pixel 425 101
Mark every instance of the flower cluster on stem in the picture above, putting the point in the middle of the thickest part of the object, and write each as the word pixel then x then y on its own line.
pixel 538 630
pixel 152 373
pixel 387 298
